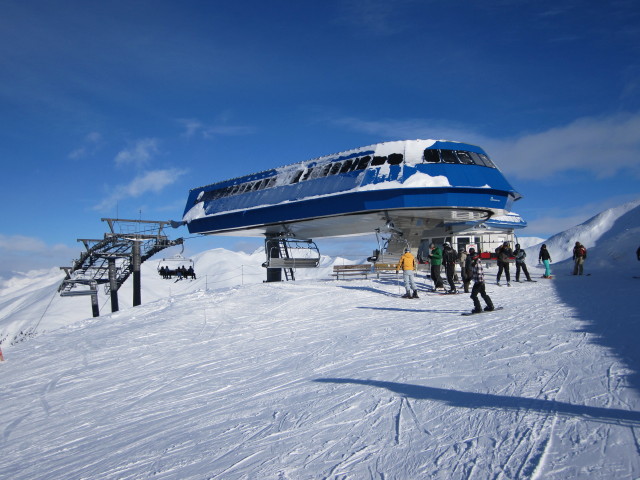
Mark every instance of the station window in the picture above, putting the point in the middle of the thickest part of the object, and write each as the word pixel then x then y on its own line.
pixel 476 159
pixel 363 162
pixel 449 156
pixel 431 156
pixel 464 157
pixel 346 166
pixel 296 176
pixel 335 168
pixel 307 173
pixel 487 161
pixel 395 159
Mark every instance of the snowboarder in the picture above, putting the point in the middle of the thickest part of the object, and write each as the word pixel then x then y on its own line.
pixel 520 255
pixel 407 264
pixel 504 254
pixel 478 285
pixel 435 259
pixel 449 259
pixel 579 256
pixel 545 257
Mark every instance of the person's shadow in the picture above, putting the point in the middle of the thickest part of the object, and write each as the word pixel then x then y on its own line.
pixel 456 398
pixel 607 301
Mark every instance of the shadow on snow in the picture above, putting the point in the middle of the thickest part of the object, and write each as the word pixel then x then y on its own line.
pixel 489 401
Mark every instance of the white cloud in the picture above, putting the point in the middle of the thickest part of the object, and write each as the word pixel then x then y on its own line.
pixel 191 127
pixel 602 146
pixel 153 181
pixel 90 145
pixel 194 127
pixel 21 253
pixel 139 154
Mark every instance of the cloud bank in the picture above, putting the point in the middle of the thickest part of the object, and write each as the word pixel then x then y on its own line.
pixel 603 146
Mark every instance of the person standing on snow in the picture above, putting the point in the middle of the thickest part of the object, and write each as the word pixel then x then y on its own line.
pixel 449 258
pixel 520 255
pixel 545 257
pixel 435 259
pixel 407 264
pixel 478 285
pixel 579 256
pixel 462 261
pixel 504 254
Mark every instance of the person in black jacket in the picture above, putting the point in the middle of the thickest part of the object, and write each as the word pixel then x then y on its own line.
pixel 521 264
pixel 504 254
pixel 545 257
pixel 449 259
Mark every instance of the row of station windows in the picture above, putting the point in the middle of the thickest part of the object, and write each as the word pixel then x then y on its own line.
pixel 457 156
pixel 350 165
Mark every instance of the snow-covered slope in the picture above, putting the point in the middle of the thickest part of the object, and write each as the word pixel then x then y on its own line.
pixel 611 237
pixel 227 377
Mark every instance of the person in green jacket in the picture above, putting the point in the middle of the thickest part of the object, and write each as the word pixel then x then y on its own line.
pixel 435 259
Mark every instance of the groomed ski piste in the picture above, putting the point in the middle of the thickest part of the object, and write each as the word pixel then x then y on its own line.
pixel 326 379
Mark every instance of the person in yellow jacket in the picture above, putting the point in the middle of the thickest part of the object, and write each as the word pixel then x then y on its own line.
pixel 407 264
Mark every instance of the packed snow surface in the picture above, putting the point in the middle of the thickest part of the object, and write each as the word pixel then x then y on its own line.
pixel 330 379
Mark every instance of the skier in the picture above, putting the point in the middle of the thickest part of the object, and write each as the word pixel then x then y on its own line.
pixel 478 285
pixel 504 254
pixel 449 259
pixel 520 255
pixel 579 256
pixel 462 261
pixel 435 258
pixel 407 264
pixel 545 258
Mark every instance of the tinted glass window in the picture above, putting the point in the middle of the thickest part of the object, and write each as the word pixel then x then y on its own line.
pixel 296 177
pixel 448 156
pixel 464 157
pixel 363 163
pixel 307 173
pixel 476 159
pixel 431 155
pixel 346 166
pixel 378 161
pixel 335 168
pixel 395 159
pixel 487 161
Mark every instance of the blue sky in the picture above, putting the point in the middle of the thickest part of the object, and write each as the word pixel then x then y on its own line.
pixel 118 108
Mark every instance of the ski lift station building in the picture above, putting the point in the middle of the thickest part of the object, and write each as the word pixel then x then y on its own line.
pixel 410 192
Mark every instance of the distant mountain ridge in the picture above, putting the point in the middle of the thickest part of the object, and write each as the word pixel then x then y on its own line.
pixel 611 238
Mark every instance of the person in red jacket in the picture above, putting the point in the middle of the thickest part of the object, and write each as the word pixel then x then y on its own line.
pixel 407 264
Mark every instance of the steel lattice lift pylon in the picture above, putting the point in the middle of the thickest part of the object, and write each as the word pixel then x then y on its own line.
pixel 111 260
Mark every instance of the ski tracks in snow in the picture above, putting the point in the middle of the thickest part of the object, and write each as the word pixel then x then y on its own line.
pixel 331 380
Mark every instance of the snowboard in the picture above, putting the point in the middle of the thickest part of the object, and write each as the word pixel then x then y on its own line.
pixel 466 314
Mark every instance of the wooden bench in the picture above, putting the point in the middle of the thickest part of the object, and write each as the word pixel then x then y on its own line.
pixel 351 270
pixel 385 268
